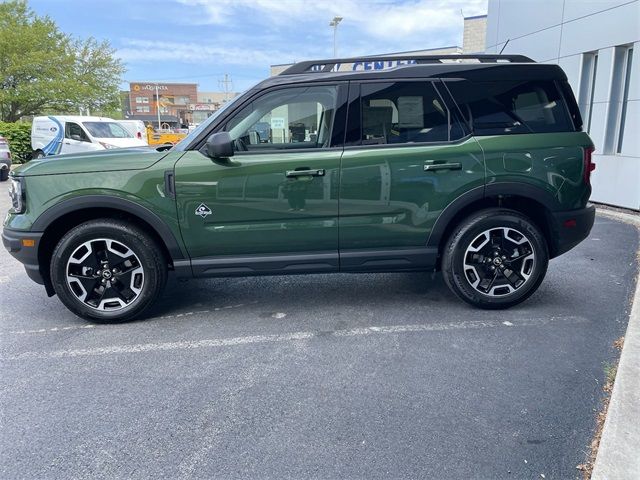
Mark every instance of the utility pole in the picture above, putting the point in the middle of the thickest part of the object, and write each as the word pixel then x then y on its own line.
pixel 334 23
pixel 158 105
pixel 226 85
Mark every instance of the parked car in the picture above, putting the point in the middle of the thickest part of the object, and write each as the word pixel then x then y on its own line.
pixel 5 159
pixel 60 134
pixel 477 167
pixel 137 128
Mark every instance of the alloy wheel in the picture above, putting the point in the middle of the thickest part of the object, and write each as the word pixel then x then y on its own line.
pixel 499 261
pixel 105 274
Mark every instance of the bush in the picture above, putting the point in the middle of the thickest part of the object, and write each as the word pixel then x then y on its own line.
pixel 19 137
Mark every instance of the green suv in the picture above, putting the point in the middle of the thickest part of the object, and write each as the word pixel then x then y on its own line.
pixel 473 165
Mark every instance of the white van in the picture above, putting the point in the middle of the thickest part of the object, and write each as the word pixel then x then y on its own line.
pixel 137 128
pixel 58 134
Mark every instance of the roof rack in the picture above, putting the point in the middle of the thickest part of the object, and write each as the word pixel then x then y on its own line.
pixel 329 64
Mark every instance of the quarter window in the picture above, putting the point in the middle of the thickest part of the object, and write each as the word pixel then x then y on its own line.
pixel 403 112
pixel 291 118
pixel 512 107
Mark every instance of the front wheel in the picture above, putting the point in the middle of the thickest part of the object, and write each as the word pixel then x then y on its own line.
pixel 108 270
pixel 495 259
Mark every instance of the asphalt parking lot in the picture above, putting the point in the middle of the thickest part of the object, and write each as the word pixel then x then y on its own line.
pixel 323 376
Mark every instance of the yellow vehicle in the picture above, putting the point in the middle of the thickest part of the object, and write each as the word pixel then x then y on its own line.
pixel 163 136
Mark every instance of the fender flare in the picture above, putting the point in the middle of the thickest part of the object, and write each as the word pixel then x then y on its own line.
pixel 105 201
pixel 531 192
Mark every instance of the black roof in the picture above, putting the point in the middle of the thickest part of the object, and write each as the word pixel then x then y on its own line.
pixel 485 68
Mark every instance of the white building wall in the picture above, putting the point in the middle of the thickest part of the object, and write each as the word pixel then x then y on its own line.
pixel 563 31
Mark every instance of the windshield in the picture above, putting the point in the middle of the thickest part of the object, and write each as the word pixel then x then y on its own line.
pixel 107 130
pixel 182 145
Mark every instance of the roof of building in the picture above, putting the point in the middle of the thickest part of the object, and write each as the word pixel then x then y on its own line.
pixel 475 17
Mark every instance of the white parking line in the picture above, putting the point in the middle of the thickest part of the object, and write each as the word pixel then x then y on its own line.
pixel 257 339
pixel 84 327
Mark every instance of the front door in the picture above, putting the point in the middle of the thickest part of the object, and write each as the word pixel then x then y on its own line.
pixel 406 161
pixel 273 206
pixel 75 139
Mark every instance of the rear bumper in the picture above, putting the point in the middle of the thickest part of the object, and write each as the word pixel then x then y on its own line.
pixel 28 256
pixel 569 228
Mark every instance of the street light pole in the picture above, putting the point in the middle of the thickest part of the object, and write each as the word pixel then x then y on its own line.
pixel 158 106
pixel 334 23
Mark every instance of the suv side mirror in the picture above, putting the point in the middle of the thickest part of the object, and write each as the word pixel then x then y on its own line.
pixel 219 145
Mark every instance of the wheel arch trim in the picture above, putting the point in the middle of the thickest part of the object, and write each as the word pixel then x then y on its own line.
pixel 524 190
pixel 85 202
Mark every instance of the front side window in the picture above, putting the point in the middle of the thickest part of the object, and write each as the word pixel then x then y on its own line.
pixel 403 112
pixel 291 118
pixel 512 107
pixel 75 132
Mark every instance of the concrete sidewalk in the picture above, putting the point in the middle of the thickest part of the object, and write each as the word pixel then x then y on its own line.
pixel 619 452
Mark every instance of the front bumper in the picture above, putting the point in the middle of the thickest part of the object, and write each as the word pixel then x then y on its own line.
pixel 569 228
pixel 28 256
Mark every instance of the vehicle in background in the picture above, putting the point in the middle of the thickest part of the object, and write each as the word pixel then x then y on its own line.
pixel 164 136
pixel 60 134
pixel 5 159
pixel 136 127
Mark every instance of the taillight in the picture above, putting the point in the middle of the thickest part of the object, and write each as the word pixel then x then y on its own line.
pixel 589 166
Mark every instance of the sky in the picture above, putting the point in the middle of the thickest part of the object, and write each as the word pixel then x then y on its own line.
pixel 202 40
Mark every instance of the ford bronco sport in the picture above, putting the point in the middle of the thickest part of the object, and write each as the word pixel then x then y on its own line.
pixel 474 165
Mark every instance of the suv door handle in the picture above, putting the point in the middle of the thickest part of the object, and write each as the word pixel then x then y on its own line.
pixel 305 173
pixel 442 166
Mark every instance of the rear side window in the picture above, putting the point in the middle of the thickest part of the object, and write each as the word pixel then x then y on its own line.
pixel 512 107
pixel 402 112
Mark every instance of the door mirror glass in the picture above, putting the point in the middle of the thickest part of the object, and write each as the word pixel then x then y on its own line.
pixel 219 145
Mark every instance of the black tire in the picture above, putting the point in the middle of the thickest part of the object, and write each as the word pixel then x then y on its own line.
pixel 471 270
pixel 136 285
pixel 38 154
pixel 4 174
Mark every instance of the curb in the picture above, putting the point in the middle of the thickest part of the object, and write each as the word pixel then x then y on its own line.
pixel 617 457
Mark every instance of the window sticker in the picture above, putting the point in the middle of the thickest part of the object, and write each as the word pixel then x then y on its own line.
pixel 410 112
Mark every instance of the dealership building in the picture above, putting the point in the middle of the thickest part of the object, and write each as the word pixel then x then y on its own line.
pixel 597 45
pixel 178 103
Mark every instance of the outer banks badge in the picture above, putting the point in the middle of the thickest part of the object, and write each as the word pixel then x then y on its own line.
pixel 203 211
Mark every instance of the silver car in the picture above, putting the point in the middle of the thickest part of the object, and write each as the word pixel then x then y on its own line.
pixel 5 159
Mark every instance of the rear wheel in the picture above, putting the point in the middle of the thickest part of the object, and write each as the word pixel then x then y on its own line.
pixel 108 270
pixel 495 259
pixel 4 173
pixel 37 154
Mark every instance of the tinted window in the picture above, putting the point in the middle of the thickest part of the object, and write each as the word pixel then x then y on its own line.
pixel 290 118
pixel 509 107
pixel 75 130
pixel 402 112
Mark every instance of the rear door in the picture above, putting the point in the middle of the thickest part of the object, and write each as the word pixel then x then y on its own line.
pixel 407 156
pixel 275 202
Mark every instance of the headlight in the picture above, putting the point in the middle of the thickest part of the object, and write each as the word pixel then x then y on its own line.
pixel 16 193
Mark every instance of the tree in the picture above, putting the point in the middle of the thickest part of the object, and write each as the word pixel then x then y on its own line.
pixel 42 68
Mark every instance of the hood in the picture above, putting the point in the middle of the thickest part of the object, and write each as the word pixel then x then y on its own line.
pixel 123 142
pixel 86 162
